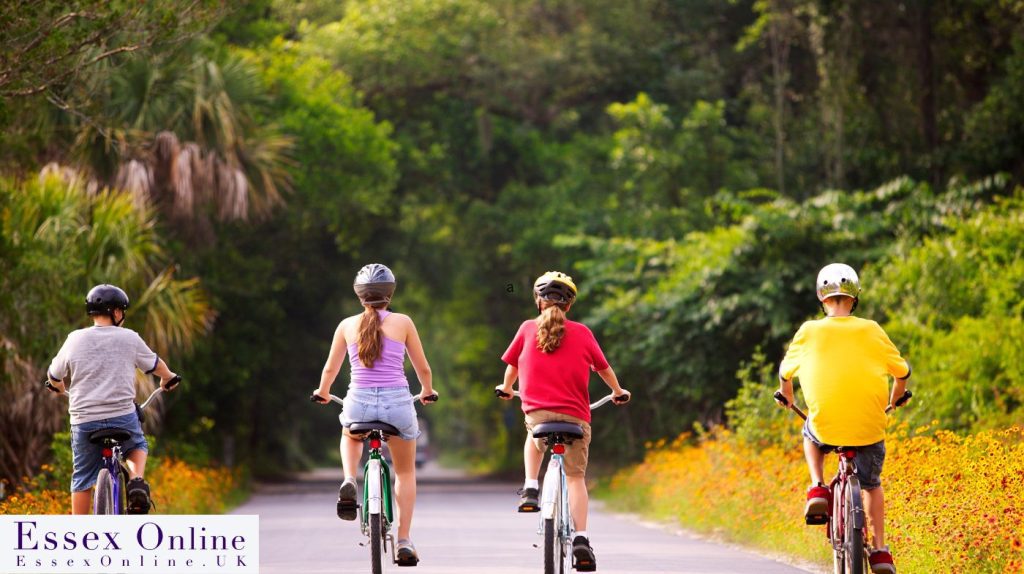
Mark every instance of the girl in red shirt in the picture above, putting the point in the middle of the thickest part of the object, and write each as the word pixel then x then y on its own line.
pixel 552 357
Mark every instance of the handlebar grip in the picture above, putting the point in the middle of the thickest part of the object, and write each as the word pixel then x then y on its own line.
pixel 431 398
pixel 622 399
pixel 318 399
pixel 904 398
pixel 501 395
pixel 175 381
pixel 781 398
pixel 49 386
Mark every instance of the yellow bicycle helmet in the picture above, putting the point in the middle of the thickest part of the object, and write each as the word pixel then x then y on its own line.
pixel 556 287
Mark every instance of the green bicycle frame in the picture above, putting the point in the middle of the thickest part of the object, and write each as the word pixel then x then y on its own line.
pixel 376 461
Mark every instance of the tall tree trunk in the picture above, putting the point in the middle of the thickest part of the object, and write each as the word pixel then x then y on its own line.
pixel 926 89
pixel 779 44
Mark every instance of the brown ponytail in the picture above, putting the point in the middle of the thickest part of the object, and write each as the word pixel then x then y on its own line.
pixel 550 328
pixel 370 341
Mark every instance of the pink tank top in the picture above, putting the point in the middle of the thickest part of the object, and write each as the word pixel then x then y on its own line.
pixel 388 370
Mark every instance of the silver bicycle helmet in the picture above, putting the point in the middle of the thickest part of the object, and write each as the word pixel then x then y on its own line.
pixel 837 279
pixel 374 284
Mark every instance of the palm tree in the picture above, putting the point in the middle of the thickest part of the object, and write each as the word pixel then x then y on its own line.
pixel 183 137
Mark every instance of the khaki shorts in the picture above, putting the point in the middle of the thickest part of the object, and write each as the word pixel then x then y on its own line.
pixel 576 453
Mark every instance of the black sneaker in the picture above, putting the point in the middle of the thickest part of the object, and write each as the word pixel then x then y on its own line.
pixel 139 501
pixel 405 554
pixel 529 501
pixel 347 505
pixel 583 559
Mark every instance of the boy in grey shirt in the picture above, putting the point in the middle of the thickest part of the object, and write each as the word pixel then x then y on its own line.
pixel 99 363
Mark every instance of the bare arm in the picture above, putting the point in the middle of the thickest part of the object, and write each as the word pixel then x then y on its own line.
pixel 414 347
pixel 164 373
pixel 511 374
pixel 339 350
pixel 786 388
pixel 609 378
pixel 897 391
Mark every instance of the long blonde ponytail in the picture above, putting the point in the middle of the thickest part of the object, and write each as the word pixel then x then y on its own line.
pixel 370 342
pixel 550 328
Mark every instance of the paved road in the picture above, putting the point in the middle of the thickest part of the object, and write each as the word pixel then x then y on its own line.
pixel 470 527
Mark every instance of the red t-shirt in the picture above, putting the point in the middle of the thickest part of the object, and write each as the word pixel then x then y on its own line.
pixel 556 381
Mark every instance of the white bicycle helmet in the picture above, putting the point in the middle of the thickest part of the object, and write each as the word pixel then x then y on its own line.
pixel 837 279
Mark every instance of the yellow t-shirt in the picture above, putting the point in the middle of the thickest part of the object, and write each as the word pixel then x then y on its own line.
pixel 843 363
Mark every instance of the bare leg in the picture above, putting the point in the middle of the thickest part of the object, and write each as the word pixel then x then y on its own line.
pixel 403 455
pixel 136 463
pixel 81 502
pixel 874 506
pixel 579 500
pixel 351 451
pixel 532 458
pixel 815 461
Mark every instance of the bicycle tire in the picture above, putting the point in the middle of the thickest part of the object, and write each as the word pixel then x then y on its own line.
pixel 376 544
pixel 835 532
pixel 853 535
pixel 104 494
pixel 553 561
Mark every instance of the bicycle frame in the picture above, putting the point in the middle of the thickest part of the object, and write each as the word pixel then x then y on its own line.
pixel 118 470
pixel 377 486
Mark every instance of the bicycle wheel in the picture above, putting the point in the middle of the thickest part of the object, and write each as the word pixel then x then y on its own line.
pixel 104 503
pixel 835 532
pixel 376 544
pixel 554 548
pixel 853 531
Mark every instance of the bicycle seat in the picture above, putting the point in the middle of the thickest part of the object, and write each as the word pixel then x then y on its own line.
pixel 118 435
pixel 363 428
pixel 567 430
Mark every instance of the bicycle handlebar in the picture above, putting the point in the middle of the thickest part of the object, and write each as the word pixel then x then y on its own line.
pixel 906 396
pixel 314 398
pixel 173 382
pixel 608 398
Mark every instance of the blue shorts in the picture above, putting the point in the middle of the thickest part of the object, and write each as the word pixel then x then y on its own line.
pixel 392 405
pixel 869 461
pixel 88 457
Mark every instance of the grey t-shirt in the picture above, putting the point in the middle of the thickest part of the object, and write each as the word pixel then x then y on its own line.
pixel 101 362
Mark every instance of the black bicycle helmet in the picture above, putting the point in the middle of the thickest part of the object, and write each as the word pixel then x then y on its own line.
pixel 374 284
pixel 103 299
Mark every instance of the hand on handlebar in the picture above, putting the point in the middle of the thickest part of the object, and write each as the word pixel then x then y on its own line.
pixel 426 399
pixel 316 397
pixel 782 399
pixel 171 382
pixel 622 397
pixel 502 393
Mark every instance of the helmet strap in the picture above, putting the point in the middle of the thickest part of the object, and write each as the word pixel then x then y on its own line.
pixel 113 318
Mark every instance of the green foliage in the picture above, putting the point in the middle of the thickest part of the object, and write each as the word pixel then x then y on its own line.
pixel 956 301
pixel 753 416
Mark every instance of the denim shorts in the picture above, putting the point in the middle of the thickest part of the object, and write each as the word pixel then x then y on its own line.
pixel 392 405
pixel 869 459
pixel 88 457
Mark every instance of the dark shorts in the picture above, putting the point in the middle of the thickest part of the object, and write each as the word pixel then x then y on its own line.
pixel 88 457
pixel 870 459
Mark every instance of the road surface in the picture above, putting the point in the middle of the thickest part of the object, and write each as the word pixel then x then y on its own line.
pixel 463 527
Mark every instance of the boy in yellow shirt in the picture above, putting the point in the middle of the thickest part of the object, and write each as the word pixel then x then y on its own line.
pixel 844 363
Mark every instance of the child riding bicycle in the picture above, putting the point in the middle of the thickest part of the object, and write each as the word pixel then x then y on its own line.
pixel 843 363
pixel 376 342
pixel 553 356
pixel 99 363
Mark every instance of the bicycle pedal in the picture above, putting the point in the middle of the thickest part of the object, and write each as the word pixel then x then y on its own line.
pixel 816 519
pixel 347 509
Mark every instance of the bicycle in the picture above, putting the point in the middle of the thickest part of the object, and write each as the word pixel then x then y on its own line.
pixel 555 519
pixel 376 515
pixel 109 494
pixel 845 526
